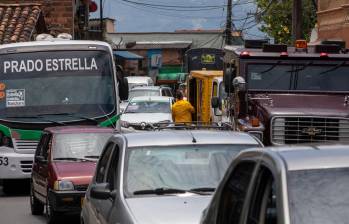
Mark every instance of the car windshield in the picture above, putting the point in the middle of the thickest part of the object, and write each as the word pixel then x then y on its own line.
pixel 32 84
pixel 178 167
pixel 330 77
pixel 319 196
pixel 143 92
pixel 80 145
pixel 148 107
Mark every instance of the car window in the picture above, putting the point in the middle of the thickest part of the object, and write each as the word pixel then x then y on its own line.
pixel 42 146
pixel 113 169
pixel 168 92
pixel 103 163
pixel 263 199
pixel 234 193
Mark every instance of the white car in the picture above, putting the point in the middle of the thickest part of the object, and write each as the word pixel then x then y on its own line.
pixel 145 110
pixel 146 91
pixel 134 81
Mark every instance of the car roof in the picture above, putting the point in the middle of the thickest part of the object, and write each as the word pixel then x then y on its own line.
pixel 151 98
pixel 78 129
pixel 186 137
pixel 135 79
pixel 146 88
pixel 312 156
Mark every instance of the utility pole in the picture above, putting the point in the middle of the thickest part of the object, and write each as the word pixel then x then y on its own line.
pixel 101 16
pixel 228 25
pixel 297 20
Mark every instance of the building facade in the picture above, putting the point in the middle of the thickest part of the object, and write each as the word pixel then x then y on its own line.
pixel 333 20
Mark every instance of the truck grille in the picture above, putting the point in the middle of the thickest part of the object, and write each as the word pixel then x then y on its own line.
pixel 25 146
pixel 26 166
pixel 295 130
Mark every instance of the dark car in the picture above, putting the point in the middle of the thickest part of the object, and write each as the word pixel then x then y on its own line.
pixel 64 164
pixel 160 177
pixel 285 185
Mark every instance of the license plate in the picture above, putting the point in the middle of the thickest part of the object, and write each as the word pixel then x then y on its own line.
pixel 82 201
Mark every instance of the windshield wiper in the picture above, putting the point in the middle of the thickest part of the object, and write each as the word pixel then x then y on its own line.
pixel 74 159
pixel 38 117
pixel 72 115
pixel 334 68
pixel 203 189
pixel 92 157
pixel 160 191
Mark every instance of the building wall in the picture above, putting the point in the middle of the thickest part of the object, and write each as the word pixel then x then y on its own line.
pixel 333 20
pixel 59 14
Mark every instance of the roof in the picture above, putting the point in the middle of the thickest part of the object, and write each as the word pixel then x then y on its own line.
pixel 138 79
pixel 185 137
pixel 312 157
pixel 127 55
pixel 78 129
pixel 151 98
pixel 18 22
pixel 159 45
pixel 206 73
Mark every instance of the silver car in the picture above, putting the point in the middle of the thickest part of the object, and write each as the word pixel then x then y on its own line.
pixel 161 176
pixel 286 185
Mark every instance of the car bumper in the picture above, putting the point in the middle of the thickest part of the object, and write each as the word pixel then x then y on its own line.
pixel 15 165
pixel 66 201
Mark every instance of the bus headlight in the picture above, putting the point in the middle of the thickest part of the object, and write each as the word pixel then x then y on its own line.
pixel 63 185
pixel 124 124
pixel 5 141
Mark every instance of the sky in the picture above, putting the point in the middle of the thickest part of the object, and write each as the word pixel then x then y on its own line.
pixel 133 17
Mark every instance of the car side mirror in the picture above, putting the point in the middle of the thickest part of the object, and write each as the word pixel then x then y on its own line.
pixel 228 75
pixel 41 159
pixel 215 102
pixel 101 191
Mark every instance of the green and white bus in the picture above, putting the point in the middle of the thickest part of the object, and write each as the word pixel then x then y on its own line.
pixel 51 83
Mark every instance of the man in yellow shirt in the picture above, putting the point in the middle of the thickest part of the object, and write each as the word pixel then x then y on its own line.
pixel 182 110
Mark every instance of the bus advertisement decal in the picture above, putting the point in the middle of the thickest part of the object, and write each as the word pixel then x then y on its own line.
pixel 15 98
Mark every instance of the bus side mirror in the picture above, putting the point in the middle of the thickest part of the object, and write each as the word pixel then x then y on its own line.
pixel 228 75
pixel 123 89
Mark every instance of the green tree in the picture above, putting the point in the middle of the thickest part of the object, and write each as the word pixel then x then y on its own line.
pixel 276 18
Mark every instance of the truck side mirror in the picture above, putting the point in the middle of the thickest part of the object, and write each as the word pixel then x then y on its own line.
pixel 228 75
pixel 239 83
pixel 215 102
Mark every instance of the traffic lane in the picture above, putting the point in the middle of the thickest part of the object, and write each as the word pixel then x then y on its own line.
pixel 15 209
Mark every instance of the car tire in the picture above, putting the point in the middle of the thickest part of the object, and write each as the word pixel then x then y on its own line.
pixel 36 207
pixel 51 214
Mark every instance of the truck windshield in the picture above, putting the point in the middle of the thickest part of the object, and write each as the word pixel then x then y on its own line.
pixel 319 196
pixel 312 77
pixel 57 82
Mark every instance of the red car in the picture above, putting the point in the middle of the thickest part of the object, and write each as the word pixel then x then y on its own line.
pixel 64 164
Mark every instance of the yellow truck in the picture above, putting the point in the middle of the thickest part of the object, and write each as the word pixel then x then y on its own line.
pixel 205 88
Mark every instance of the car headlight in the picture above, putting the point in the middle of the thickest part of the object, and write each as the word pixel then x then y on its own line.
pixel 124 124
pixel 63 185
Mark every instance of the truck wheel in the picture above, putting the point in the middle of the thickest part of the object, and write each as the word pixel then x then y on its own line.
pixel 51 214
pixel 36 207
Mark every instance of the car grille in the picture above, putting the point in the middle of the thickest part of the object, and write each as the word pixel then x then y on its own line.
pixel 81 187
pixel 294 130
pixel 26 166
pixel 25 146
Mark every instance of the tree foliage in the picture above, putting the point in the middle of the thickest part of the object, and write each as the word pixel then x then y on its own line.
pixel 276 18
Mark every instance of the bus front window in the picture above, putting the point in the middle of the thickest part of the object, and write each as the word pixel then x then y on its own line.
pixel 59 82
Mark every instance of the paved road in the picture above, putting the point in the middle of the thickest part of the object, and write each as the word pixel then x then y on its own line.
pixel 14 209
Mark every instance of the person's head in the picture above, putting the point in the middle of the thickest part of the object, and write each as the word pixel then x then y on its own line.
pixel 179 95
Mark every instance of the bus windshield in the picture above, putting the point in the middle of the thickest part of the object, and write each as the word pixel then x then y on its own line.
pixel 56 83
pixel 303 77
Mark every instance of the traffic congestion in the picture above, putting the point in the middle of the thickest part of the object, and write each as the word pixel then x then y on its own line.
pixel 255 132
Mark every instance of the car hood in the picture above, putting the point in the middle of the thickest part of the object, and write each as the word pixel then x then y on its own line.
pixel 77 172
pixel 303 105
pixel 168 209
pixel 146 117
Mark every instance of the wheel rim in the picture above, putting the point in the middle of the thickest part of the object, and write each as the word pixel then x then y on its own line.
pixel 48 209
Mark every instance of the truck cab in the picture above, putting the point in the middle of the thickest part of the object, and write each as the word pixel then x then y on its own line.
pixel 289 95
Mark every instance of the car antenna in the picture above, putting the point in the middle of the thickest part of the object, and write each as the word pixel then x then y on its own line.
pixel 194 139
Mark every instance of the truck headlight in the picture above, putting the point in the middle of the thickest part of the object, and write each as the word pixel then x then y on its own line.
pixel 63 185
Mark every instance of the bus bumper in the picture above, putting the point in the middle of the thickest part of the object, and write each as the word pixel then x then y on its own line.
pixel 15 165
